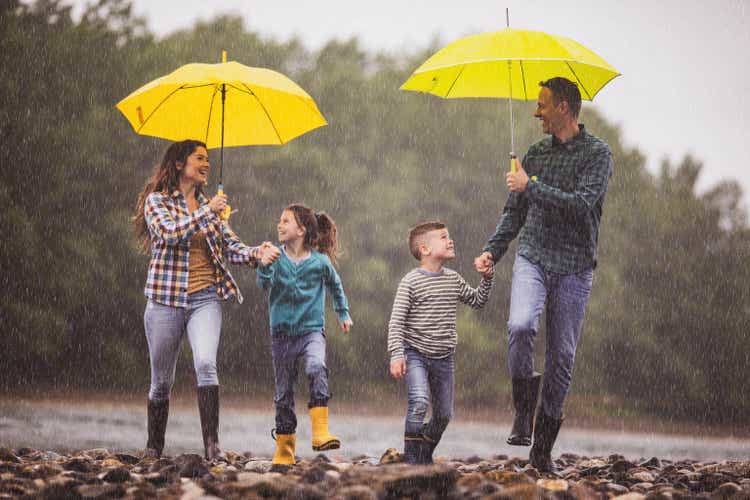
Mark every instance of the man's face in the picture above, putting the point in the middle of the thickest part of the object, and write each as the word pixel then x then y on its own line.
pixel 550 114
pixel 440 244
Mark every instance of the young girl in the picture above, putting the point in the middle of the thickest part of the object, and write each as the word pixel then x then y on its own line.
pixel 296 284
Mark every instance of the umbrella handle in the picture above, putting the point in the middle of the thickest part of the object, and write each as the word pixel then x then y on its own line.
pixel 227 209
pixel 513 163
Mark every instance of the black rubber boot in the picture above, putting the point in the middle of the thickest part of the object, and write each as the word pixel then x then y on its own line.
pixel 545 434
pixel 208 407
pixel 525 394
pixel 158 414
pixel 426 449
pixel 412 448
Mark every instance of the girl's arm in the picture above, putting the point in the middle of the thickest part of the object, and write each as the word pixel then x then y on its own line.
pixel 336 289
pixel 162 225
pixel 474 297
pixel 266 275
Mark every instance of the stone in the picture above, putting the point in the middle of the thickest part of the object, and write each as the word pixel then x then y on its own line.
pixel 96 453
pixel 643 477
pixel 553 484
pixel 436 479
pixel 725 491
pixel 391 456
pixel 79 464
pixel 259 466
pixel 96 491
pixel 358 492
pixel 127 458
pixel 631 496
pixel 652 462
pixel 117 475
pixel 507 478
pixel 7 455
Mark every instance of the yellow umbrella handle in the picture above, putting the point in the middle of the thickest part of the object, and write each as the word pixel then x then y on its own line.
pixel 513 163
pixel 227 209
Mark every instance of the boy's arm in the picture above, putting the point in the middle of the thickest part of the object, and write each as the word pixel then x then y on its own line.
pixel 399 313
pixel 336 289
pixel 475 297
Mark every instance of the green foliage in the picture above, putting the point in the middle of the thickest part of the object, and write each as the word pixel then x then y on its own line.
pixel 666 325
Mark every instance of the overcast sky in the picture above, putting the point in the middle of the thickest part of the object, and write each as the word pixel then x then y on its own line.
pixel 685 63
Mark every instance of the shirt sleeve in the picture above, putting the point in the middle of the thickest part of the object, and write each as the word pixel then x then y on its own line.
pixel 235 250
pixel 162 225
pixel 336 289
pixel 474 297
pixel 397 323
pixel 590 188
pixel 510 223
pixel 265 276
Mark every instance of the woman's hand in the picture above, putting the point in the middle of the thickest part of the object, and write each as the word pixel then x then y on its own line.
pixel 346 325
pixel 398 369
pixel 218 203
pixel 268 253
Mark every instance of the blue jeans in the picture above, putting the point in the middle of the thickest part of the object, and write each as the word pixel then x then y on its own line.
pixel 566 296
pixel 166 325
pixel 428 380
pixel 287 350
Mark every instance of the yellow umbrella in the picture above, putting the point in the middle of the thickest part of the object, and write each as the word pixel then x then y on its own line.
pixel 225 104
pixel 509 63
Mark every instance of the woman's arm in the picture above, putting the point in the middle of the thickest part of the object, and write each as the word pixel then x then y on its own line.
pixel 162 225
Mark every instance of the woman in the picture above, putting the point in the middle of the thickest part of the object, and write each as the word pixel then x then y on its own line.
pixel 187 280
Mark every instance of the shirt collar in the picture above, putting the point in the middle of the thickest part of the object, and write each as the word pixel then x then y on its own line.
pixel 202 200
pixel 573 142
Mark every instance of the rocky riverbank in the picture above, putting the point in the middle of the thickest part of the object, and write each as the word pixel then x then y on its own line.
pixel 99 473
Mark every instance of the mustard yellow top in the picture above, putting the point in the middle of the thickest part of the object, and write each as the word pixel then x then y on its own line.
pixel 200 268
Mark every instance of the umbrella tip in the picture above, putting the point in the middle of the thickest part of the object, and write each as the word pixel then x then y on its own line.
pixel 223 56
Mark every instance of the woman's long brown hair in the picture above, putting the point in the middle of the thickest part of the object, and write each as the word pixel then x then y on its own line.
pixel 165 179
pixel 321 233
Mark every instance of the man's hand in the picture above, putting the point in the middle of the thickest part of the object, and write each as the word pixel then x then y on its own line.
pixel 484 263
pixel 398 369
pixel 346 325
pixel 268 253
pixel 517 180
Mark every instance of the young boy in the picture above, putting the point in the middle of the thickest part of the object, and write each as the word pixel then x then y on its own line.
pixel 422 336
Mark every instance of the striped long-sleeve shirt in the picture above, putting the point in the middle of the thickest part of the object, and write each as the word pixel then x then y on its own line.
pixel 424 311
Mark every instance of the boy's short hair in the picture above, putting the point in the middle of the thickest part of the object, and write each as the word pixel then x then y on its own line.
pixel 418 231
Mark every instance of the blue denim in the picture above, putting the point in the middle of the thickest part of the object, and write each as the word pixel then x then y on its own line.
pixel 287 350
pixel 566 296
pixel 166 325
pixel 428 381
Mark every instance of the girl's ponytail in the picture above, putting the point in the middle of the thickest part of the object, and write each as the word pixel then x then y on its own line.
pixel 327 240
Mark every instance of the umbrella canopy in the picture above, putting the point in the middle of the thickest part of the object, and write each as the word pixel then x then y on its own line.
pixel 509 63
pixel 262 106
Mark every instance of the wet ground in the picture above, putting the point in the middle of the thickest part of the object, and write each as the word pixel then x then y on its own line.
pixel 121 427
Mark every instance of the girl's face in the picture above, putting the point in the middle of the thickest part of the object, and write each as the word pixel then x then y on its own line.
pixel 289 230
pixel 196 167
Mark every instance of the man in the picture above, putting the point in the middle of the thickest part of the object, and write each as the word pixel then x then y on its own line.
pixel 555 202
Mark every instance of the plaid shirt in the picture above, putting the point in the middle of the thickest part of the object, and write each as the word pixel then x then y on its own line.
pixel 559 213
pixel 171 226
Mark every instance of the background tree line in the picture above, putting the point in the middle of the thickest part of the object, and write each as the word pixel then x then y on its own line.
pixel 666 328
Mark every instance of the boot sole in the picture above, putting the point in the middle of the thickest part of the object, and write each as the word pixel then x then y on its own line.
pixel 330 445
pixel 519 441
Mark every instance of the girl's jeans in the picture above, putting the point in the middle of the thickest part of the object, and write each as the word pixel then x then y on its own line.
pixel 566 296
pixel 165 327
pixel 428 380
pixel 287 350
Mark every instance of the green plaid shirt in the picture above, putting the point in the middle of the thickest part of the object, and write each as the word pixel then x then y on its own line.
pixel 558 214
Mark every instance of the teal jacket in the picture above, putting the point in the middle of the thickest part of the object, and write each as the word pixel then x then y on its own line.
pixel 297 295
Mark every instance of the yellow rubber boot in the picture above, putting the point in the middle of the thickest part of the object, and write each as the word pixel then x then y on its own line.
pixel 321 440
pixel 284 449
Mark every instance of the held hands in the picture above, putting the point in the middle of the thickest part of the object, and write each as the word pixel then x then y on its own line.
pixel 485 265
pixel 218 203
pixel 517 180
pixel 398 369
pixel 267 253
pixel 346 325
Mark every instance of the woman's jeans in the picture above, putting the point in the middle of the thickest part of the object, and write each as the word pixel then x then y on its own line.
pixel 287 350
pixel 428 380
pixel 566 296
pixel 165 327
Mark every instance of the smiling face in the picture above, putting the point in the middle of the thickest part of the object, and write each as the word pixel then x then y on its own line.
pixel 288 228
pixel 552 115
pixel 438 245
pixel 196 167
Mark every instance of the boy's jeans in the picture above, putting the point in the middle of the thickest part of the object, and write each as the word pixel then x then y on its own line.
pixel 566 296
pixel 428 380
pixel 287 351
pixel 166 325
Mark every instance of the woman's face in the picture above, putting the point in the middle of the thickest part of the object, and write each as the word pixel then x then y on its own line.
pixel 196 167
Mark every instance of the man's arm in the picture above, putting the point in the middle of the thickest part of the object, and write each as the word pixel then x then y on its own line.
pixel 510 223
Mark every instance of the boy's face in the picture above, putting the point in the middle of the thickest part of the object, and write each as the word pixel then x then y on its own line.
pixel 438 245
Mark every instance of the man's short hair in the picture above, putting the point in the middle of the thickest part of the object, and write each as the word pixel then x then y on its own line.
pixel 564 90
pixel 418 231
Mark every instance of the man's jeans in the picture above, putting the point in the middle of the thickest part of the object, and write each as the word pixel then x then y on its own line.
pixel 287 350
pixel 566 296
pixel 428 380
pixel 166 325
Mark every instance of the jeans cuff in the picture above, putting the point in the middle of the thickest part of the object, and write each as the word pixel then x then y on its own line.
pixel 317 402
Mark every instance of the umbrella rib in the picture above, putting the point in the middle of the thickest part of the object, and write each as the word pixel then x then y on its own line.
pixel 578 80
pixel 454 81
pixel 210 112
pixel 157 107
pixel 281 141
pixel 523 81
